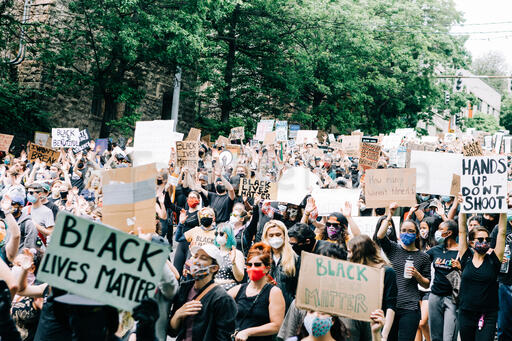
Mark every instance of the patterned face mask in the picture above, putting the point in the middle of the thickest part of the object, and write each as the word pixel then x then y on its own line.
pixel 317 326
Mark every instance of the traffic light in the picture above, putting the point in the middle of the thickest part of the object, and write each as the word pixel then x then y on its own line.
pixel 446 97
pixel 458 85
pixel 458 120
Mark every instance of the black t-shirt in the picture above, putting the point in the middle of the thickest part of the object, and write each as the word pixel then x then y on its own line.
pixel 222 205
pixel 479 286
pixel 390 289
pixel 442 260
pixel 505 278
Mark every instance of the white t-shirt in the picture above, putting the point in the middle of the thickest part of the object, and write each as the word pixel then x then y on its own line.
pixel 41 215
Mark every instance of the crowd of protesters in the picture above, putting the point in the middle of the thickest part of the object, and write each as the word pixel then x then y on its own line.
pixel 234 262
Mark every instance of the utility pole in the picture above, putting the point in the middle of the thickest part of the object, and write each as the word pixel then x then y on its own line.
pixel 176 97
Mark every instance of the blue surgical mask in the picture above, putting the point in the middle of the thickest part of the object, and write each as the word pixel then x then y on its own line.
pixel 32 199
pixel 407 238
pixel 509 216
pixel 445 198
pixel 424 197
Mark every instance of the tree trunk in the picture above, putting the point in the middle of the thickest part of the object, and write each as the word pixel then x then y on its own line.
pixel 226 104
pixel 109 114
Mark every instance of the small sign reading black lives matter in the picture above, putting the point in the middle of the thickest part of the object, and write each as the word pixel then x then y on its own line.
pixel 484 184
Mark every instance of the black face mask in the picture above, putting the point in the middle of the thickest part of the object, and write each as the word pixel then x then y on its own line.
pixel 159 181
pixel 206 221
pixel 220 188
pixel 16 211
pixel 80 165
pixel 64 195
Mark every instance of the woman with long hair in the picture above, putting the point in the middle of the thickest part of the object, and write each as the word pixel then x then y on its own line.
pixel 412 267
pixel 285 263
pixel 478 295
pixel 260 304
pixel 363 250
pixel 231 269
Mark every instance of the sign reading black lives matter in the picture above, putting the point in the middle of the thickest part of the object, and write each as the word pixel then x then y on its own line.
pixel 484 184
pixel 101 263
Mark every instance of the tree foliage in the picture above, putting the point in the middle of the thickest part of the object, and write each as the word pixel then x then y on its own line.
pixel 492 63
pixel 483 122
pixel 319 63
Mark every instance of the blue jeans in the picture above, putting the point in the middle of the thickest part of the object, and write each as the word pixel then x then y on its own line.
pixel 505 312
pixel 442 318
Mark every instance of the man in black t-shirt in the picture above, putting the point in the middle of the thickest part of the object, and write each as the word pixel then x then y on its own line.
pixel 221 200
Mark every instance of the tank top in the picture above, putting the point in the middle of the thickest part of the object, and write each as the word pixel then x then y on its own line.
pixel 253 315
pixel 226 272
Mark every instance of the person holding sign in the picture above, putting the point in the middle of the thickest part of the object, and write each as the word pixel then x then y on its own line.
pixel 260 304
pixel 412 267
pixel 202 310
pixel 285 263
pixel 478 295
pixel 363 250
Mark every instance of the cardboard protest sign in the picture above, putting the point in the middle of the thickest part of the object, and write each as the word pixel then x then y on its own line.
pixel 368 224
pixel 42 139
pixel 5 142
pixel 455 189
pixel 65 137
pixel 187 153
pixel 306 136
pixel 129 198
pixel 281 131
pixel 84 138
pixel 206 140
pixel 339 287
pixel 370 155
pixel 332 139
pixel 264 127
pixel 44 154
pixel 194 134
pixel 333 200
pixel 432 169
pixel 270 138
pixel 473 149
pixel 101 263
pixel 266 190
pixel 507 144
pixel 237 133
pixel 391 141
pixel 154 139
pixel 484 184
pixel 351 145
pixel 222 141
pixel 295 184
pixel 384 186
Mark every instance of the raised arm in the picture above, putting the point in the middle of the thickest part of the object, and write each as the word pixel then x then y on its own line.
pixel 501 238
pixel 347 212
pixel 383 229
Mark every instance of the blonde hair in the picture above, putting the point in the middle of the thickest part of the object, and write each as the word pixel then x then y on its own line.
pixel 288 256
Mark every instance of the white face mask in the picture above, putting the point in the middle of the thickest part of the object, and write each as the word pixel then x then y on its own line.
pixel 233 219
pixel 276 242
pixel 221 240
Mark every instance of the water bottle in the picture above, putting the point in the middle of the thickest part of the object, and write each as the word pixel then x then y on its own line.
pixel 409 262
pixel 506 260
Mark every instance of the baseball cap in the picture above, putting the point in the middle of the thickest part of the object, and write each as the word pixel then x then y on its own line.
pixel 210 249
pixel 335 218
pixel 37 186
pixel 45 187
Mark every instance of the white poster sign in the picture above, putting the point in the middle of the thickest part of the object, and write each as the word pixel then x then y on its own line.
pixel 432 169
pixel 333 200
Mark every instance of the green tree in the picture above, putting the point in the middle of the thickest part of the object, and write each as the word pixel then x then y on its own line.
pixel 483 122
pixel 492 63
pixel 105 46
pixel 506 112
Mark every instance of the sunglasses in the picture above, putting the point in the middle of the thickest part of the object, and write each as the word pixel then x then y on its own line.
pixel 481 239
pixel 332 225
pixel 32 192
pixel 255 264
pixel 220 233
